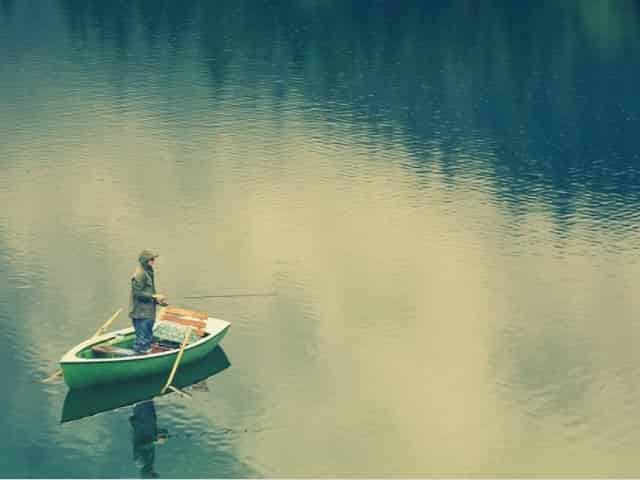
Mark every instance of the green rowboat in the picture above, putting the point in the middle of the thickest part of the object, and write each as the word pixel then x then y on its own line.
pixel 85 402
pixel 81 366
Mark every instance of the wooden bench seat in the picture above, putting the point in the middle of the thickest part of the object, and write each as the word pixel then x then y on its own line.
pixel 110 351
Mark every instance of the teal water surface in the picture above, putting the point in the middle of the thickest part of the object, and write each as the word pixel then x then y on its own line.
pixel 443 195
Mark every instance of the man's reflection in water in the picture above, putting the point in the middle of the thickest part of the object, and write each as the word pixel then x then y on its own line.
pixel 145 436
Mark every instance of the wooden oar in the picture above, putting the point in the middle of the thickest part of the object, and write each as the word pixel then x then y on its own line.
pixel 168 385
pixel 99 332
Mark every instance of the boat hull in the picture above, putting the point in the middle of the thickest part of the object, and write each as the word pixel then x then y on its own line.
pixel 84 402
pixel 81 373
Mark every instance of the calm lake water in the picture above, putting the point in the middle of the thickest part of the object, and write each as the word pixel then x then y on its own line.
pixel 444 196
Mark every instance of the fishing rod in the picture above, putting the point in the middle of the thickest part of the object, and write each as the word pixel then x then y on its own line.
pixel 229 295
pixel 220 430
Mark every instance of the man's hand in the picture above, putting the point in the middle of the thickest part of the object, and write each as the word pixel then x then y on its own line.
pixel 159 298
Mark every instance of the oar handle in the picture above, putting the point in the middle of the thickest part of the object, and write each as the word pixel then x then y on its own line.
pixel 99 332
pixel 106 324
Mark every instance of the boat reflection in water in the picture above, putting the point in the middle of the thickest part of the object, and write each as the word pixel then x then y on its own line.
pixel 146 435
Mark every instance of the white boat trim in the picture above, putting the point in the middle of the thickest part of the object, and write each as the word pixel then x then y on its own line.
pixel 214 327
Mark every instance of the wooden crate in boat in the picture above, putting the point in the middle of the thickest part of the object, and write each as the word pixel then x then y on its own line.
pixel 181 316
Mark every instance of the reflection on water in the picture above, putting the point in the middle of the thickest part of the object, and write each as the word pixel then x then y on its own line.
pixel 444 195
pixel 146 408
pixel 146 435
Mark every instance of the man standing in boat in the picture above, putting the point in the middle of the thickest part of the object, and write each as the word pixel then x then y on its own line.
pixel 143 301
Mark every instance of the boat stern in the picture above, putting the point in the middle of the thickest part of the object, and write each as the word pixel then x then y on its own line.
pixel 216 326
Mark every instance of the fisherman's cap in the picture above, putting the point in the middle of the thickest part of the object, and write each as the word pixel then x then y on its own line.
pixel 148 255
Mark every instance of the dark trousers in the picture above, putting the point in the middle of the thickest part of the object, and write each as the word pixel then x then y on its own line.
pixel 144 333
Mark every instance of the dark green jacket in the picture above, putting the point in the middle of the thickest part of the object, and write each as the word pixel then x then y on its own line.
pixel 141 302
